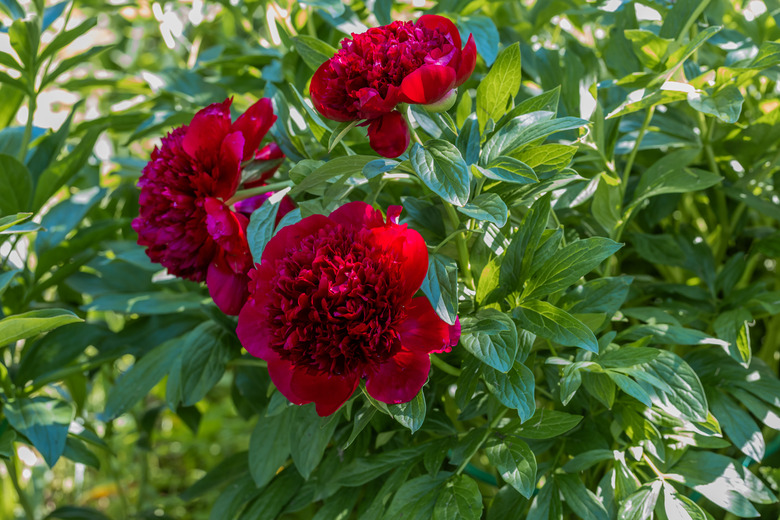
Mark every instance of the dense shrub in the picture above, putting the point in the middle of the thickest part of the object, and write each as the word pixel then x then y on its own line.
pixel 575 313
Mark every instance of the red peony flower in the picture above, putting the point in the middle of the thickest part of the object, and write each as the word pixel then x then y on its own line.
pixel 332 302
pixel 184 221
pixel 403 62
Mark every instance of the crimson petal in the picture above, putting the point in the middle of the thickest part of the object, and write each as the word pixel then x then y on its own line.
pixel 468 59
pixel 253 331
pixel 227 288
pixel 319 89
pixel 328 392
pixel 207 130
pixel 357 214
pixel 389 135
pixel 428 84
pixel 445 25
pixel 229 165
pixel 424 331
pixel 254 124
pixel 412 250
pixel 282 374
pixel 400 378
pixel 290 236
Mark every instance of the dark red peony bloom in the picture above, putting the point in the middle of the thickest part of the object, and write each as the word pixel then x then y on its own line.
pixel 403 62
pixel 332 302
pixel 184 221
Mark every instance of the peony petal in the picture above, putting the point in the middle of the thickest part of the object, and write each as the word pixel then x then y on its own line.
pixel 357 214
pixel 228 289
pixel 290 236
pixel 282 374
pixel 424 331
pixel 389 135
pixel 468 59
pixel 254 331
pixel 206 132
pixel 400 378
pixel 328 392
pixel 229 167
pixel 411 249
pixel 319 88
pixel 253 125
pixel 428 84
pixel 445 25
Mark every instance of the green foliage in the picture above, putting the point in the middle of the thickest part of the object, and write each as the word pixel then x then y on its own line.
pixel 600 208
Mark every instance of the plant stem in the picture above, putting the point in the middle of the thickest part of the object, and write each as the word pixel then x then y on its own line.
pixel 449 237
pixel 31 105
pixel 493 423
pixel 635 149
pixel 24 501
pixel 460 242
pixel 444 367
pixel 251 192
pixel 658 472
pixel 244 362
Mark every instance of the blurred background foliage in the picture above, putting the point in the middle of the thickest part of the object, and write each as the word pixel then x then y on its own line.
pixel 104 80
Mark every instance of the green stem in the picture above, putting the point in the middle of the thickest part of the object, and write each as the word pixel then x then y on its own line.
pixel 444 367
pixel 24 501
pixel 28 127
pixel 635 149
pixel 460 242
pixel 449 237
pixel 493 424
pixel 251 192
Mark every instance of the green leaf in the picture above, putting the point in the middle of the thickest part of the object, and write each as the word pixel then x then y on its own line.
pixel 524 130
pixel 514 461
pixel 738 425
pixel 468 139
pixel 411 414
pixel 569 265
pixel 30 324
pixel 441 287
pixel 725 103
pixel 627 356
pixel 519 256
pixel 12 220
pixel 416 498
pixel 515 389
pixel 66 37
pixel 156 302
pixel 550 322
pixel 44 421
pixel 547 504
pixel 76 513
pixel 60 172
pixel 64 217
pixel 442 169
pixel 363 470
pixel 640 504
pixel 309 436
pixel 77 451
pixel 547 157
pixel 649 48
pixel 491 337
pixel 227 470
pixel 600 295
pixel 460 498
pixel 580 499
pixel 134 384
pixel 607 205
pixel 509 169
pixel 486 207
pixel 723 481
pixel 678 506
pixel 499 86
pixel 670 175
pixel 313 51
pixel 68 63
pixel 25 36
pixel 209 348
pixel 13 8
pixel 346 165
pixel 545 424
pixel 261 225
pixel 687 397
pixel 15 186
pixel 234 498
pixel 272 500
pixel 732 326
pixel 587 459
pixel 362 419
pixel 269 446
pixel 338 134
pixel 485 36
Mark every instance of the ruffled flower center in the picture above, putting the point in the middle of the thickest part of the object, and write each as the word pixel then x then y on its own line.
pixel 336 303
